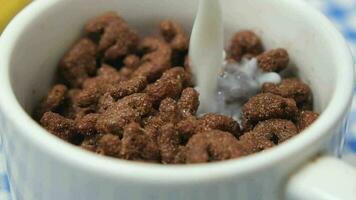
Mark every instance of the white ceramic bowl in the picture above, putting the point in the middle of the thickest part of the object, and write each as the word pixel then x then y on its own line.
pixel 42 167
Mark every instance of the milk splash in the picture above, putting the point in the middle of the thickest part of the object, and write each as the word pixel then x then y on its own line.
pixel 236 84
pixel 238 81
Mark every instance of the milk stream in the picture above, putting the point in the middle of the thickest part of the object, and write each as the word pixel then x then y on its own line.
pixel 223 87
pixel 206 51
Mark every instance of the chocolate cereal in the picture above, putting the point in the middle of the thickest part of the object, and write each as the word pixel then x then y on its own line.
pixel 134 98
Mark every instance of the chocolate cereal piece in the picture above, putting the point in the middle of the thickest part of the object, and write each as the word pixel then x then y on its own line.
pixel 268 106
pixel 180 157
pixel 88 96
pixel 175 35
pixel 169 143
pixel 178 73
pixel 212 146
pixel 267 134
pixel 277 130
pixel 134 85
pixel 245 43
pixel 136 145
pixel 70 108
pixel 105 101
pixel 289 88
pixel 115 118
pixel 219 122
pixel 153 123
pixel 58 125
pixel 90 143
pixel 117 38
pixel 156 59
pixel 53 100
pixel 109 145
pixel 131 63
pixel 98 24
pixel 140 102
pixel 79 63
pixel 169 85
pixel 253 142
pixel 274 60
pixel 129 109
pixel 305 119
pixel 189 102
pixel 187 128
pixel 168 111
pixel 86 124
pixel 211 121
pixel 94 88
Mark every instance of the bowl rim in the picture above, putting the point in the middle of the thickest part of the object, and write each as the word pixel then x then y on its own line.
pixel 108 167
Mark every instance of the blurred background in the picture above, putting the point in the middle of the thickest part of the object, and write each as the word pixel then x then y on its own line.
pixel 8 9
pixel 341 12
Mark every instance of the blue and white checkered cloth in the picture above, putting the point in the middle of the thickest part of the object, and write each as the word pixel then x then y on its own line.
pixel 343 14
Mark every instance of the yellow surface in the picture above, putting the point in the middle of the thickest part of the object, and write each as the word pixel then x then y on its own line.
pixel 8 9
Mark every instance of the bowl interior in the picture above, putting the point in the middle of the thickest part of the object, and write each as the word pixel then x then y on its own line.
pixel 46 38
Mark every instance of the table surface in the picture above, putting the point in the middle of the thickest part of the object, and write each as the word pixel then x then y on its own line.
pixel 343 14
